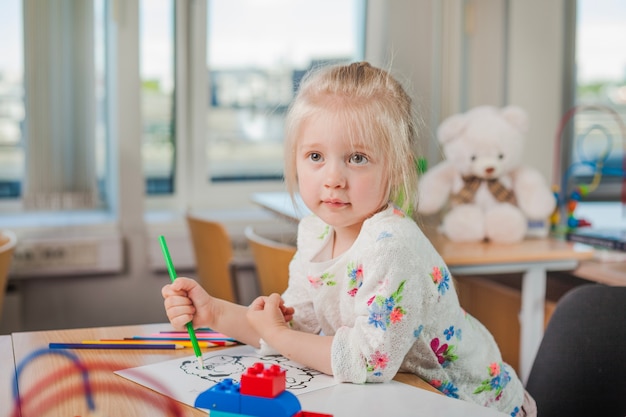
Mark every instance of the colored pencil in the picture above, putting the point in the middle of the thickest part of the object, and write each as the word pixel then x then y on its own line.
pixel 208 335
pixel 168 346
pixel 200 339
pixel 172 272
pixel 184 343
pixel 198 330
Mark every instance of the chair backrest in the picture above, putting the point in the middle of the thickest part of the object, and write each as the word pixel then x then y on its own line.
pixel 272 262
pixel 213 253
pixel 7 247
pixel 580 369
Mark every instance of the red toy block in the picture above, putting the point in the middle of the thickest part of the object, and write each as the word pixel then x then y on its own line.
pixel 311 414
pixel 262 381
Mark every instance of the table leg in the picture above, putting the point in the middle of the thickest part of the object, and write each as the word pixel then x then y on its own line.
pixel 531 317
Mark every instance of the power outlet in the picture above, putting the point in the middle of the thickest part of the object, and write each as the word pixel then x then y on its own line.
pixel 67 256
pixel 53 255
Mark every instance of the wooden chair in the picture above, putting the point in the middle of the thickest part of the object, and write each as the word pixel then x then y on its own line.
pixel 272 262
pixel 7 247
pixel 216 267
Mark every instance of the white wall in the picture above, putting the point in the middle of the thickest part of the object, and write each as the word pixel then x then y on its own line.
pixel 454 56
pixel 535 74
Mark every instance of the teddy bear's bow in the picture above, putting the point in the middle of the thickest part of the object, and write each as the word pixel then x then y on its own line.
pixel 471 184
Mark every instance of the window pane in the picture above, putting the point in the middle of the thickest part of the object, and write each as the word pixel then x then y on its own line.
pixel 598 142
pixel 256 54
pixel 11 99
pixel 101 88
pixel 157 94
pixel 12 96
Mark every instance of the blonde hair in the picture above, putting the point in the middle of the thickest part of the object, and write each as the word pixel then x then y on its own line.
pixel 376 109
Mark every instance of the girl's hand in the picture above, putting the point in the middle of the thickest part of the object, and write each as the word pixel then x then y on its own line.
pixel 268 315
pixel 287 311
pixel 268 318
pixel 186 301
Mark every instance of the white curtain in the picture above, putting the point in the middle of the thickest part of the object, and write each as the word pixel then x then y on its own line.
pixel 60 105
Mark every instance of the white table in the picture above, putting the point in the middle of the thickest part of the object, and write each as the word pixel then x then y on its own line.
pixel 7 365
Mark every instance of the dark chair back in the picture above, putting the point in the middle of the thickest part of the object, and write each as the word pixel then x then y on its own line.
pixel 580 367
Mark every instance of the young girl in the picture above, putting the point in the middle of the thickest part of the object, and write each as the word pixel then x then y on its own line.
pixel 368 295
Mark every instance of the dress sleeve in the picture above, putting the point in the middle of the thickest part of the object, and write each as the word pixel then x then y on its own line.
pixel 387 308
pixel 297 294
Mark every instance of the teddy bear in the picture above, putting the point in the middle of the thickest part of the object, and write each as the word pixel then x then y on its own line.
pixel 482 188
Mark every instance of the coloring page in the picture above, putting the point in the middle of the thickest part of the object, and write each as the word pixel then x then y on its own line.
pixel 183 380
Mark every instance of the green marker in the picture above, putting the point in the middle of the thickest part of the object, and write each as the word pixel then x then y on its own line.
pixel 190 330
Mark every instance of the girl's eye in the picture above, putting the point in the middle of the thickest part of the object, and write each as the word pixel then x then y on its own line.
pixel 358 159
pixel 473 157
pixel 501 156
pixel 315 157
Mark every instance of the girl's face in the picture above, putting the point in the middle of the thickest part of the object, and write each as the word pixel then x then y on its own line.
pixel 341 181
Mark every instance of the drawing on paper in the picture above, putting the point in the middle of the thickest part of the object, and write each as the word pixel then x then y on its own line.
pixel 220 366
pixel 183 380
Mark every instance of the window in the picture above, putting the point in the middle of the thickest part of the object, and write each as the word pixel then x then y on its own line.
pixel 157 94
pixel 102 131
pixel 51 96
pixel 252 57
pixel 595 123
pixel 11 100
pixel 256 54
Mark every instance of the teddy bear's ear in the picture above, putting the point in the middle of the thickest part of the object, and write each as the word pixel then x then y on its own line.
pixel 517 117
pixel 451 127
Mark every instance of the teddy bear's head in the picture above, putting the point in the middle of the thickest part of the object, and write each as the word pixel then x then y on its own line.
pixel 486 141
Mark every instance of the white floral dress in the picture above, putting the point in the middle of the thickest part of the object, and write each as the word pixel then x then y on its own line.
pixel 391 305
